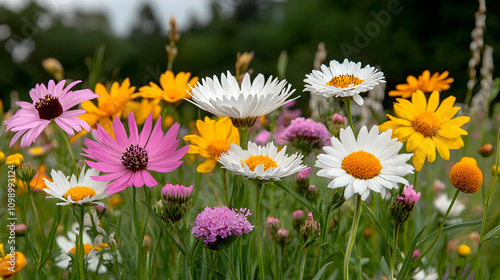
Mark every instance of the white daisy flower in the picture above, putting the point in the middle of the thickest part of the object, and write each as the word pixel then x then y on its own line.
pixel 442 202
pixel 261 162
pixel 343 80
pixel 95 256
pixel 83 190
pixel 243 104
pixel 369 163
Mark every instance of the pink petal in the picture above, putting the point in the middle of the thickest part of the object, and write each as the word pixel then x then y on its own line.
pixel 132 127
pixel 146 131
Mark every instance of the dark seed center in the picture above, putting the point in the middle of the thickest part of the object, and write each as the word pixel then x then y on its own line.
pixel 135 158
pixel 49 107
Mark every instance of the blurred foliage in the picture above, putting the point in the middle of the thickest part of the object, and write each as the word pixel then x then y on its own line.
pixel 402 37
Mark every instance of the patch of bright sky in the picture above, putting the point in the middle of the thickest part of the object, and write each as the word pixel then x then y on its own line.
pixel 123 14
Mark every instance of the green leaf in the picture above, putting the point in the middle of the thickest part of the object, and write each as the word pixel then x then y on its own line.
pixel 490 234
pixel 385 268
pixel 47 249
pixel 165 229
pixel 495 88
pixel 409 256
pixel 300 198
pixel 381 229
pixel 466 224
pixel 320 273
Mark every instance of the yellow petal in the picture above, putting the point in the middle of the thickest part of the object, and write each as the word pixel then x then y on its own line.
pixel 443 150
pixel 433 103
pixel 414 141
pixel 451 132
pixel 430 148
pixel 458 122
pixel 453 143
pixel 418 159
pixel 446 110
pixel 403 133
pixel 206 166
pixel 419 101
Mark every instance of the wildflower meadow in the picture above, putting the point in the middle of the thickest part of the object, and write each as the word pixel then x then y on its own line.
pixel 116 182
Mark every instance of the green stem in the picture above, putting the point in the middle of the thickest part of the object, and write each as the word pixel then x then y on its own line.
pixel 81 248
pixel 257 218
pixel 352 236
pixel 224 183
pixel 347 102
pixel 68 147
pixel 137 231
pixel 485 214
pixel 441 226
pixel 243 137
pixel 277 267
pixel 303 264
pixel 394 249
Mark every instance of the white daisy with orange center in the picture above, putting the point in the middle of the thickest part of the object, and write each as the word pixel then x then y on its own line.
pixel 343 80
pixel 83 191
pixel 261 162
pixel 369 163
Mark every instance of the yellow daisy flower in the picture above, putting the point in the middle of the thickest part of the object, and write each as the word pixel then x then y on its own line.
pixel 214 139
pixel 173 88
pixel 142 109
pixel 109 105
pixel 425 127
pixel 425 83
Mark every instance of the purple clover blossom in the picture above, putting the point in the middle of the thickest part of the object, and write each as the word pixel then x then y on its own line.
pixel 306 134
pixel 409 195
pixel 219 223
pixel 176 191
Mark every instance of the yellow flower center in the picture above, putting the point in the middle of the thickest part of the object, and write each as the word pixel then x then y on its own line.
pixel 86 247
pixel 253 161
pixel 78 193
pixel 218 147
pixel 426 123
pixel 344 81
pixel 362 165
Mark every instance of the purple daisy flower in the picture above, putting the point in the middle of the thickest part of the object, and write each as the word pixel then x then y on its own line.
pixel 128 159
pixel 49 103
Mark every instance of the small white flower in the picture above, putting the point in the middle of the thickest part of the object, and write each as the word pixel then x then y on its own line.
pixel 81 191
pixel 441 203
pixel 343 80
pixel 95 257
pixel 261 162
pixel 431 274
pixel 369 163
pixel 226 98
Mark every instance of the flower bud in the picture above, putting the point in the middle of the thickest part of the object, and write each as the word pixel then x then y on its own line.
pixel 403 205
pixel 283 236
pixel 26 171
pixel 338 122
pixel 272 226
pixel 486 150
pixel 463 250
pixel 302 180
pixel 53 67
pixel 20 229
pixel 2 156
pixel 311 192
pixel 310 229
pixel 416 254
pixel 175 202
pixel 297 219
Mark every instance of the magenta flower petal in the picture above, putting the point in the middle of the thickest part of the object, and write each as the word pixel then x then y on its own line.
pixel 128 159
pixel 48 103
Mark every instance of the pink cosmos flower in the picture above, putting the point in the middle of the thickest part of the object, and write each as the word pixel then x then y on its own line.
pixel 128 159
pixel 49 103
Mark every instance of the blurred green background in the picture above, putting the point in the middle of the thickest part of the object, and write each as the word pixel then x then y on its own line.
pixel 401 37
